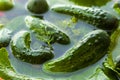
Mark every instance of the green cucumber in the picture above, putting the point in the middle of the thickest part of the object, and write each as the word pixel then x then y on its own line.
pixel 6 5
pixel 5 37
pixel 97 17
pixel 20 46
pixel 46 31
pixel 91 48
pixel 37 6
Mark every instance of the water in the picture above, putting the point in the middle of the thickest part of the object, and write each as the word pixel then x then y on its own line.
pixel 15 18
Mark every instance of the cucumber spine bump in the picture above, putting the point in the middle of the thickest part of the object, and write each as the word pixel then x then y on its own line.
pixel 46 31
pixel 97 17
pixel 87 51
pixel 20 46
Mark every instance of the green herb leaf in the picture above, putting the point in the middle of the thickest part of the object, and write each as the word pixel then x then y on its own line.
pixel 6 5
pixel 99 75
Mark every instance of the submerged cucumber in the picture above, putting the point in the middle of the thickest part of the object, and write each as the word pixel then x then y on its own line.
pixel 46 31
pixel 87 51
pixel 94 16
pixel 5 37
pixel 20 45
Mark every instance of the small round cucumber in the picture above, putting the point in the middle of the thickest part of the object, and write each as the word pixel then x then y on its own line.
pixel 5 37
pixel 91 48
pixel 46 31
pixel 20 46
pixel 37 6
pixel 97 17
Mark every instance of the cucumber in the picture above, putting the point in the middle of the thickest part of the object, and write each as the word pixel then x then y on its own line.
pixel 20 46
pixel 97 17
pixel 7 72
pixel 46 31
pixel 37 6
pixel 91 48
pixel 5 37
pixel 6 5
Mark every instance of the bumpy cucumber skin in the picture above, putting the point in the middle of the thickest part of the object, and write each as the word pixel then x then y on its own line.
pixel 46 31
pixel 87 51
pixel 5 37
pixel 94 16
pixel 20 46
